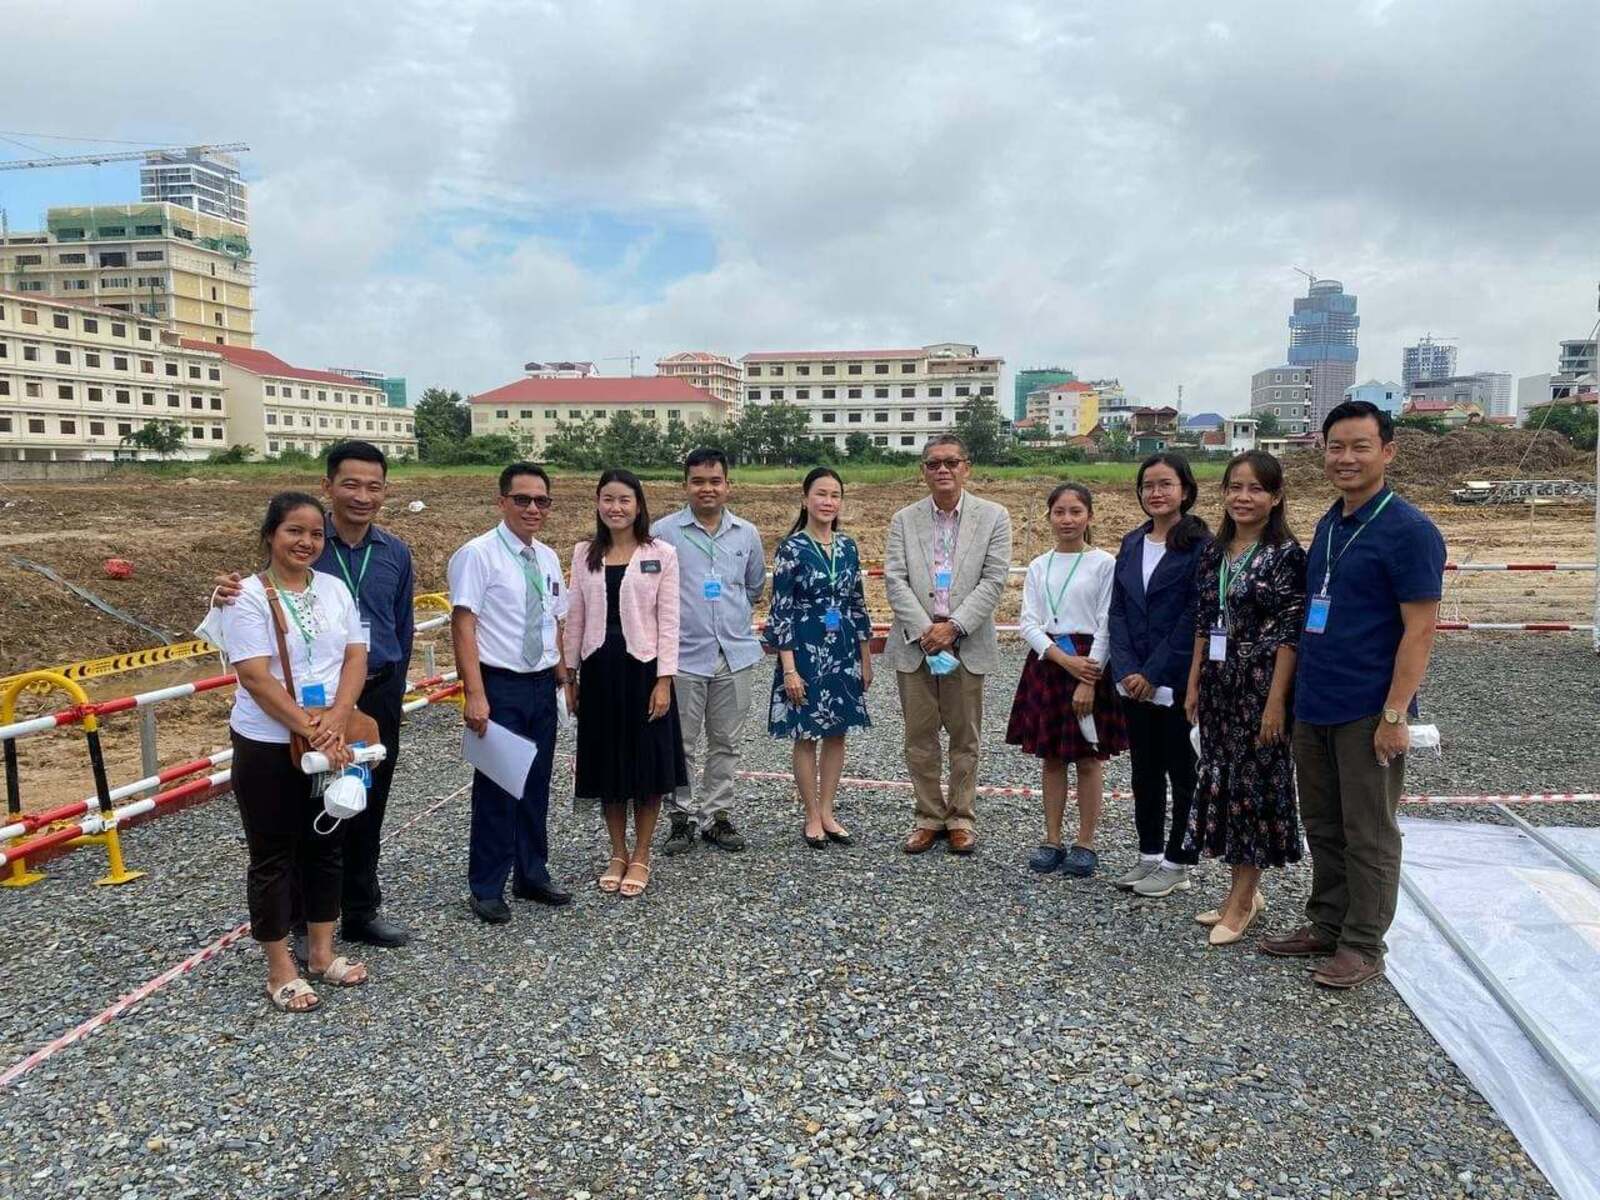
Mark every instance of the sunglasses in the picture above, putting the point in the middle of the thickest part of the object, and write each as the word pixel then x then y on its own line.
pixel 540 502
pixel 935 464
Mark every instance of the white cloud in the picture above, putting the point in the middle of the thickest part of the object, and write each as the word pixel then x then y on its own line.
pixel 1123 188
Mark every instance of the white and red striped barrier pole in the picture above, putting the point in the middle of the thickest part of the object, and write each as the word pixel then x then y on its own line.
pixel 1034 793
pixel 106 708
pixel 39 820
pixel 1520 566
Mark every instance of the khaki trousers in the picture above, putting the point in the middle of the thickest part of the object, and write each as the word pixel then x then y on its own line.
pixel 954 703
pixel 714 705
pixel 1347 804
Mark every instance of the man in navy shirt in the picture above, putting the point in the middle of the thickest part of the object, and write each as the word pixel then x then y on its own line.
pixel 376 567
pixel 1374 578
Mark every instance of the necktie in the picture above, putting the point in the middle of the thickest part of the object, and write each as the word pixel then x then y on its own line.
pixel 533 621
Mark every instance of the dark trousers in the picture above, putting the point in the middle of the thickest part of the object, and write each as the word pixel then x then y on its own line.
pixel 292 867
pixel 1159 751
pixel 381 700
pixel 1348 804
pixel 509 834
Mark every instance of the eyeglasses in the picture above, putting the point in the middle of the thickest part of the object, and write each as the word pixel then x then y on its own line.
pixel 1159 485
pixel 941 464
pixel 540 502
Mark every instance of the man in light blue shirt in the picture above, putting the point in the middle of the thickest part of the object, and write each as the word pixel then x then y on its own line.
pixel 722 571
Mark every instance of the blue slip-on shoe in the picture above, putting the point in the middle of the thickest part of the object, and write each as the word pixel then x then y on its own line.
pixel 1046 858
pixel 1080 862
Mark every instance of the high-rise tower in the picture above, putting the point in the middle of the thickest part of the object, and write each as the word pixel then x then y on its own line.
pixel 1322 337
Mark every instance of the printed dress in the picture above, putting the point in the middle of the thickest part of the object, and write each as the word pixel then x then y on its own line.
pixel 828 660
pixel 1244 803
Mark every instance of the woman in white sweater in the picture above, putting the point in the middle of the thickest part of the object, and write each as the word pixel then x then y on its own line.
pixel 1065 710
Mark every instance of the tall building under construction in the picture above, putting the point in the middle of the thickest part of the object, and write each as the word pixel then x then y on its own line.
pixel 1322 338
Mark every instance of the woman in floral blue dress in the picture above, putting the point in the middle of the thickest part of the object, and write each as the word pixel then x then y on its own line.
pixel 819 627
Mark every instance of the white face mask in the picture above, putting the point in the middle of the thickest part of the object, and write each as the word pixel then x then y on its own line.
pixel 344 797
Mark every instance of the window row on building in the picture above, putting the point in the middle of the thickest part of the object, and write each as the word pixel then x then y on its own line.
pixel 52 425
pixel 802 395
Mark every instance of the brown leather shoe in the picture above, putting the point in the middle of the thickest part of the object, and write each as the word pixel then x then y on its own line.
pixel 921 839
pixel 963 841
pixel 1305 942
pixel 1347 969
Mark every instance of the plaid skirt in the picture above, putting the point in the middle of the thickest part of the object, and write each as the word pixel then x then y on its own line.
pixel 1043 723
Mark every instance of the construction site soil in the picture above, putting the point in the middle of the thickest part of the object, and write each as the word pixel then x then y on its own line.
pixel 179 533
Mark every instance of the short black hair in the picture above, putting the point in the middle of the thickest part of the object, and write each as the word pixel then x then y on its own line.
pixel 522 468
pixel 1355 410
pixel 944 439
pixel 360 451
pixel 704 456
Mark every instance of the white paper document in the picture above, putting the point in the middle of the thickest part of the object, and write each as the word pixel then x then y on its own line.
pixel 505 757
pixel 1163 696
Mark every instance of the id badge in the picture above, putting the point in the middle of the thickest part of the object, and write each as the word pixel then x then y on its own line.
pixel 366 632
pixel 313 695
pixel 1064 640
pixel 941 580
pixel 712 588
pixel 832 620
pixel 1317 614
pixel 1219 646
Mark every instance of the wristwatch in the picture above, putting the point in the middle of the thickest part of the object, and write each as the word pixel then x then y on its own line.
pixel 1392 716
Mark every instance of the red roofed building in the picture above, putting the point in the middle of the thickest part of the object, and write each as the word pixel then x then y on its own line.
pixel 898 398
pixel 529 411
pixel 1452 413
pixel 279 408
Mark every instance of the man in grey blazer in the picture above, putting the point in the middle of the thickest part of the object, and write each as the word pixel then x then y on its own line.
pixel 945 570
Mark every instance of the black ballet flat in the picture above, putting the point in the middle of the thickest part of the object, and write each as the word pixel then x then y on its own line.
pixel 844 839
pixel 816 843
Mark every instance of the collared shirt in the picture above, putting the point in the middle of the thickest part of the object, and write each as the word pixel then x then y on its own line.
pixel 1344 673
pixel 487 579
pixel 946 529
pixel 383 592
pixel 709 627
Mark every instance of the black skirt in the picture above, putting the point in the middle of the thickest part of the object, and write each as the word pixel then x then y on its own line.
pixel 622 755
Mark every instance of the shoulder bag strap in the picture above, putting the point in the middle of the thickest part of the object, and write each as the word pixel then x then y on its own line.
pixel 279 624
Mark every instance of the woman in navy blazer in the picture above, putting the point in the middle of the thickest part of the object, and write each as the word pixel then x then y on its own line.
pixel 1153 604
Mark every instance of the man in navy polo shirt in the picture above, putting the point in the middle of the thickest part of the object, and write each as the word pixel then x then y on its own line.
pixel 376 566
pixel 1374 578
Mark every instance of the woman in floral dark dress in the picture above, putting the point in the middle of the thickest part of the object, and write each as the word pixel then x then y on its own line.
pixel 1252 583
pixel 819 627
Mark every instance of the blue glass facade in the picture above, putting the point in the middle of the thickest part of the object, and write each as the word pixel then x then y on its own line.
pixel 1322 336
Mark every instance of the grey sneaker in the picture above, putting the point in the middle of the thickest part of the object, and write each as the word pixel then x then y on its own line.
pixel 723 835
pixel 1163 881
pixel 1140 870
pixel 681 839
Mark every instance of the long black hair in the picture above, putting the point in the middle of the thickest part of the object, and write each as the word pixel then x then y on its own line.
pixel 1078 490
pixel 278 510
pixel 812 476
pixel 1190 528
pixel 601 542
pixel 1269 474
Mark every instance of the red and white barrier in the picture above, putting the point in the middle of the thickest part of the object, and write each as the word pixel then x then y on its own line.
pixel 1520 566
pixel 27 824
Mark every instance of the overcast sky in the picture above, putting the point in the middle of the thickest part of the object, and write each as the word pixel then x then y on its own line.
pixel 445 190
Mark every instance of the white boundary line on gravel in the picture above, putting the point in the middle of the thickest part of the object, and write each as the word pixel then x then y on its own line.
pixel 145 990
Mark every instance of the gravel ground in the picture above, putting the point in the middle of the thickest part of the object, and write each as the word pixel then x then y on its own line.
pixel 782 1022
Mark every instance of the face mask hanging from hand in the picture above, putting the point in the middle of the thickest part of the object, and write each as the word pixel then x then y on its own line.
pixel 344 797
pixel 943 662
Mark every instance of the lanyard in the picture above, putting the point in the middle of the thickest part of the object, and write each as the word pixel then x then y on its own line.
pixel 1331 560
pixel 705 544
pixel 831 561
pixel 530 571
pixel 361 575
pixel 1224 571
pixel 1055 604
pixel 292 607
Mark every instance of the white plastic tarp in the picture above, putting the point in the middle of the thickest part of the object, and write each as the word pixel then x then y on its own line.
pixel 1536 924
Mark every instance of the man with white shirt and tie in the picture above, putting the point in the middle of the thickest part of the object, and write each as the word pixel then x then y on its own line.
pixel 506 596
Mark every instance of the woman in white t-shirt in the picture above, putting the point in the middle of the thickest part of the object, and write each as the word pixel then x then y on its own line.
pixel 1065 711
pixel 327 647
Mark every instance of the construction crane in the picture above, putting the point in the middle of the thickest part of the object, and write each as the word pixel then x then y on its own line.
pixel 74 160
pixel 631 358
pixel 1311 276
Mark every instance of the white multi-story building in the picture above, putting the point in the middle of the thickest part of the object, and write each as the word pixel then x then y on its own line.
pixel 1074 409
pixel 1285 392
pixel 76 380
pixel 898 398
pixel 715 373
pixel 197 179
pixel 1116 409
pixel 278 408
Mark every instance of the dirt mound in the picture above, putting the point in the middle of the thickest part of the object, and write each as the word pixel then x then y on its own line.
pixel 1427 460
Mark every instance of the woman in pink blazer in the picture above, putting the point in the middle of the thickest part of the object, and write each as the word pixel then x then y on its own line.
pixel 622 633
